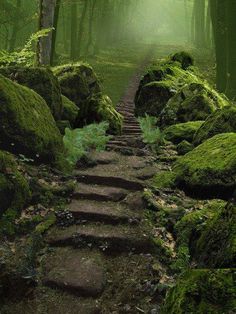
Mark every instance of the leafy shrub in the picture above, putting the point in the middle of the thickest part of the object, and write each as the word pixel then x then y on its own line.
pixel 25 56
pixel 151 134
pixel 79 142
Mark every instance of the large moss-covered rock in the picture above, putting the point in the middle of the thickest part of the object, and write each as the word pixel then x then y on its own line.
pixel 209 169
pixel 14 189
pixel 99 108
pixel 220 121
pixel 195 101
pixel 70 110
pixel 184 58
pixel 159 84
pixel 78 82
pixel 42 81
pixel 153 97
pixel 202 291
pixel 216 247
pixel 26 123
pixel 188 230
pixel 182 131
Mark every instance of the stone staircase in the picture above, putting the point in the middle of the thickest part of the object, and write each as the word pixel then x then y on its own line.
pixel 103 258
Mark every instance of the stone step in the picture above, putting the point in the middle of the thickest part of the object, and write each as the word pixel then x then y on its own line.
pixel 105 212
pixel 128 151
pixel 106 237
pixel 131 128
pixel 99 193
pixel 75 272
pixel 117 142
pixel 111 181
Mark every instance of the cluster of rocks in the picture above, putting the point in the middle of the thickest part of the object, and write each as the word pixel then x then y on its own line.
pixel 36 105
pixel 202 124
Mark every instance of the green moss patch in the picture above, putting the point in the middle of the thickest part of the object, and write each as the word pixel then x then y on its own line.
pixel 26 123
pixel 42 81
pixel 202 291
pixel 182 131
pixel 70 110
pixel 210 169
pixel 220 121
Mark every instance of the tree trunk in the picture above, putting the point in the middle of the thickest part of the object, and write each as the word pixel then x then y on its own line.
pixel 55 26
pixel 218 14
pixel 73 34
pixel 200 41
pixel 231 49
pixel 46 20
pixel 81 28
pixel 91 20
pixel 15 26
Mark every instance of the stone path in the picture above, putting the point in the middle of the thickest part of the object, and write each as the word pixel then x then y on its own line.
pixel 104 256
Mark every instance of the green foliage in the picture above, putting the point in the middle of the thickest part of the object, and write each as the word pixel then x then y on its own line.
pixel 152 135
pixel 25 56
pixel 78 142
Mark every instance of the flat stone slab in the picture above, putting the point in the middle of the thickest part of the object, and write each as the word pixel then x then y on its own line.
pixel 99 193
pixel 104 158
pixel 73 271
pixel 106 237
pixel 113 213
pixel 110 180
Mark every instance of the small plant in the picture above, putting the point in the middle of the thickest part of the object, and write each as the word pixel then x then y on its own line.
pixel 25 56
pixel 79 142
pixel 151 134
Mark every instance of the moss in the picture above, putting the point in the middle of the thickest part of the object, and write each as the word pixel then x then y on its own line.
pixel 42 81
pixel 26 123
pixel 216 247
pixel 70 110
pixel 195 101
pixel 184 58
pixel 202 291
pixel 49 221
pixel 220 121
pixel 184 147
pixel 14 192
pixel 188 229
pixel 182 131
pixel 77 81
pixel 100 108
pixel 164 179
pixel 162 250
pixel 209 169
pixel 62 125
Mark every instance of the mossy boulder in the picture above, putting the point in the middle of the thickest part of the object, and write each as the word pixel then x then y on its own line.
pixel 14 189
pixel 216 247
pixel 78 82
pixel 70 110
pixel 193 102
pixel 202 291
pixel 209 169
pixel 188 229
pixel 159 84
pixel 42 81
pixel 184 58
pixel 26 123
pixel 99 108
pixel 153 97
pixel 220 121
pixel 184 147
pixel 182 131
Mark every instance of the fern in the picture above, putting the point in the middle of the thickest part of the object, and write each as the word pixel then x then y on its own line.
pixel 25 56
pixel 79 142
pixel 151 134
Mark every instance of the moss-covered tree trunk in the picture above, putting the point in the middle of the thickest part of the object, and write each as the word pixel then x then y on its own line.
pixel 231 48
pixel 46 21
pixel 15 27
pixel 81 28
pixel 200 40
pixel 55 26
pixel 73 31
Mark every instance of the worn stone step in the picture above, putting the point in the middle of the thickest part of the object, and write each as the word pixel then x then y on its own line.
pixel 128 151
pixel 106 237
pixel 106 212
pixel 118 142
pixel 110 181
pixel 74 271
pixel 99 193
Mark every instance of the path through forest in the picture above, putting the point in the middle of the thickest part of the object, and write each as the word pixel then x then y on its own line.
pixel 107 252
